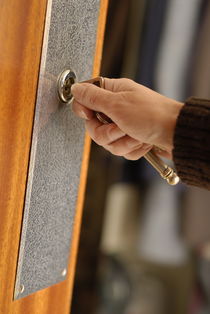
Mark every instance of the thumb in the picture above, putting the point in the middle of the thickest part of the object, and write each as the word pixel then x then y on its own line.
pixel 93 97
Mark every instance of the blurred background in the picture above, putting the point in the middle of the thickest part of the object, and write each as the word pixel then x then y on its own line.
pixel 144 245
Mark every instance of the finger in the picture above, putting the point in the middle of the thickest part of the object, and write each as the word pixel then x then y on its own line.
pixel 123 146
pixel 82 111
pixel 103 134
pixel 119 85
pixel 138 153
pixel 93 97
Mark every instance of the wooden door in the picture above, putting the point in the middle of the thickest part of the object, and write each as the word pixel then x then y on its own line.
pixel 22 27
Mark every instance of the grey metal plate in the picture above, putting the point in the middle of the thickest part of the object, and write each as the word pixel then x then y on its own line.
pixel 57 148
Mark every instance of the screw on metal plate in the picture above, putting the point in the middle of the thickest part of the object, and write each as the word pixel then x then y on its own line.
pixel 21 289
pixel 65 80
pixel 64 272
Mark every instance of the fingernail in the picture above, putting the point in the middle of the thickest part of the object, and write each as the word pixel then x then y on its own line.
pixel 83 115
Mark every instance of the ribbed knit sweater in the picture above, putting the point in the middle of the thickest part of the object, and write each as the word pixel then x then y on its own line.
pixel 191 153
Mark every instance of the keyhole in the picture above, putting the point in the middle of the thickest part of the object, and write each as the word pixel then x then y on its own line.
pixel 65 80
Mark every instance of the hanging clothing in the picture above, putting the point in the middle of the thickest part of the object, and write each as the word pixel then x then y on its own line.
pixel 176 42
pixel 201 66
pixel 197 201
pixel 159 237
pixel 152 30
pixel 133 38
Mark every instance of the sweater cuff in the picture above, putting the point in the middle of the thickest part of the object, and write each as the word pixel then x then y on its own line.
pixel 191 153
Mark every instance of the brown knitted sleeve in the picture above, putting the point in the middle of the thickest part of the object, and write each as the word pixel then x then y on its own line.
pixel 191 153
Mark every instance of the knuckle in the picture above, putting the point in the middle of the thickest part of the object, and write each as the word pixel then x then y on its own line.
pixel 96 136
pixel 127 81
pixel 114 105
pixel 130 157
pixel 109 102
pixel 127 84
pixel 108 132
pixel 100 98
pixel 115 151
pixel 103 135
pixel 135 155
pixel 93 97
pixel 83 94
pixel 119 151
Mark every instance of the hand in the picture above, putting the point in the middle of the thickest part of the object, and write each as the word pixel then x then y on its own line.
pixel 141 117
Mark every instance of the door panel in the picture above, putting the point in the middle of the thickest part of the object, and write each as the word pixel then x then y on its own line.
pixel 57 147
pixel 21 33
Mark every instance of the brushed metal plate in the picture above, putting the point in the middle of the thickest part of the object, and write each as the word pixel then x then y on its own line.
pixel 57 148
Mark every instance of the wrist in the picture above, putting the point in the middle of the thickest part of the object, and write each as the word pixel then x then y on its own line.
pixel 169 120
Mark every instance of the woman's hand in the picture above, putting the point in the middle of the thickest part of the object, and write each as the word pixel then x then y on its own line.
pixel 141 117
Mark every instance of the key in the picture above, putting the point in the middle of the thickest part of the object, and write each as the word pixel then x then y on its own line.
pixel 164 170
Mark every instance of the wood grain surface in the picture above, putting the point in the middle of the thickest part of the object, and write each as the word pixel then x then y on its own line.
pixel 21 34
